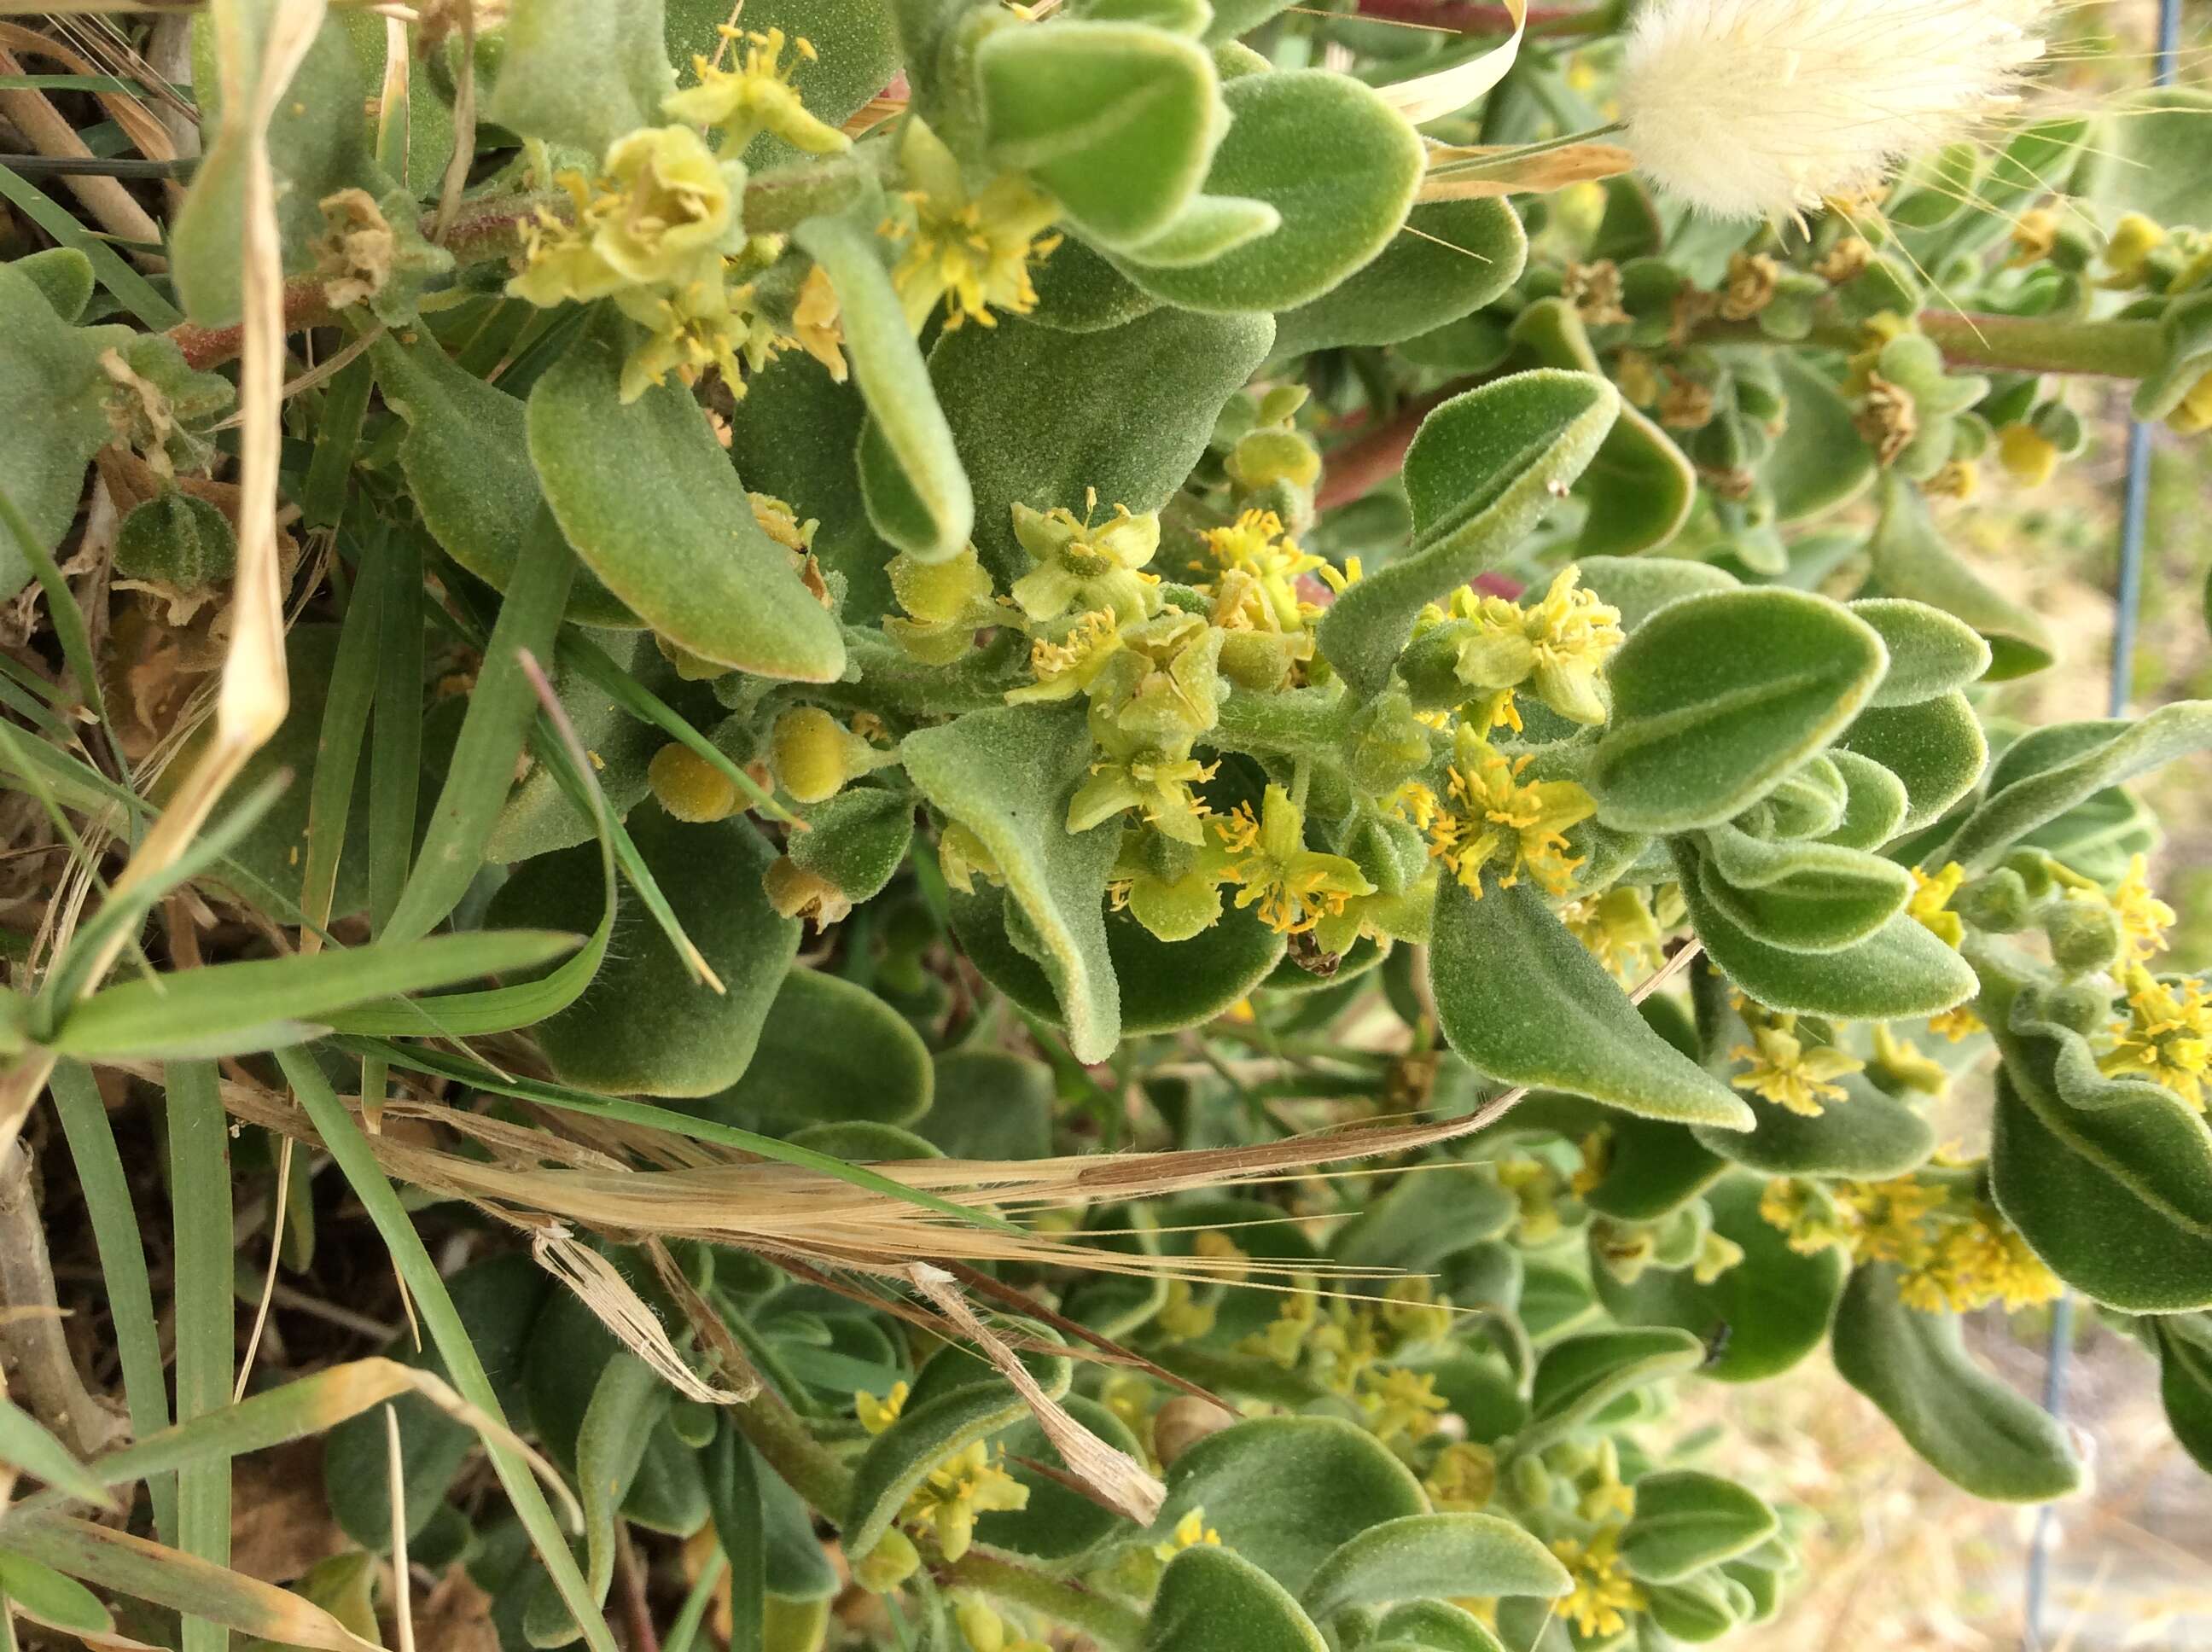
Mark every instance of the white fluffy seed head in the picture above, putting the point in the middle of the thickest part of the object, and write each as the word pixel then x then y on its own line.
pixel 1762 109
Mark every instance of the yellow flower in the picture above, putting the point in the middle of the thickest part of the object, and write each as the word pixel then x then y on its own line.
pixel 701 325
pixel 1536 1187
pixel 1900 1061
pixel 1809 1219
pixel 877 1415
pixel 969 1483
pixel 1297 1316
pixel 1493 818
pixel 816 323
pixel 1956 1025
pixel 2194 414
pixel 1930 905
pixel 1717 1255
pixel 1256 567
pixel 1785 1072
pixel 1414 804
pixel 972 252
pixel 1182 1318
pixel 1066 668
pixel 1617 929
pixel 1190 1532
pixel 1157 785
pixel 2034 234
pixel 1412 1314
pixel 2144 918
pixel 962 857
pixel 2167 1037
pixel 1080 564
pixel 1603 1592
pixel 1977 1258
pixel 755 96
pixel 1293 887
pixel 677 203
pixel 1558 644
pixel 2134 239
pixel 1398 1401
pixel 1463 1478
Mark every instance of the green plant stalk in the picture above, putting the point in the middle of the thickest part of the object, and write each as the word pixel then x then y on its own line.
pixel 2009 343
pixel 781 1437
pixel 1112 1625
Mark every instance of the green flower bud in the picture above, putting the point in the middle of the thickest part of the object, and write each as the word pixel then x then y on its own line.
pixel 2085 936
pixel 178 541
pixel 889 1563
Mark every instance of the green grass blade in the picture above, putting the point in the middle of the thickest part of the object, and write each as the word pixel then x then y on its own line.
pixel 394 566
pixel 201 1008
pixel 134 291
pixel 207 1329
pixel 26 1445
pixel 61 607
pixel 479 1076
pixel 337 433
pixel 129 1294
pixel 499 721
pixel 357 1163
pixel 640 702
pixel 337 750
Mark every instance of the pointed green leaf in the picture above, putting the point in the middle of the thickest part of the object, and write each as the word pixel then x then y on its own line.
pixel 1212 1600
pixel 1425 1556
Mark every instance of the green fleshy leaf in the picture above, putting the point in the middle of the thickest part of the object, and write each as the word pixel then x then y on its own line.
pixel 581 73
pixel 831 1050
pixel 1716 698
pixel 1567 1025
pixel 1761 1317
pixel 1033 429
pixel 1685 1521
pixel 1802 897
pixel 1117 121
pixel 1212 1600
pixel 1417 1557
pixel 1930 653
pixel 901 1457
pixel 1483 470
pixel 1874 802
pixel 917 496
pixel 1898 970
pixel 1971 1428
pixel 1820 460
pixel 1452 257
pixel 650 503
pixel 647 1023
pixel 1579 1376
pixel 1335 160
pixel 466 458
pixel 1640 585
pixel 1935 750
pixel 991 1104
pixel 1911 559
pixel 1007 776
pixel 2088 757
pixel 1437 1624
pixel 1285 1492
pixel 46 364
pixel 1868 1135
pixel 2184 1367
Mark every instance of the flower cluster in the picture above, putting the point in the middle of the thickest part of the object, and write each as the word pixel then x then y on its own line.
pixel 1556 647
pixel 1356 1350
pixel 1493 817
pixel 1604 1594
pixel 2166 1036
pixel 1788 1067
pixel 1953 1250
pixel 971 1481
pixel 971 251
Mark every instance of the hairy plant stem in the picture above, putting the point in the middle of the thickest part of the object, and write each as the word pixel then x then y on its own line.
pixel 1115 1627
pixel 782 1438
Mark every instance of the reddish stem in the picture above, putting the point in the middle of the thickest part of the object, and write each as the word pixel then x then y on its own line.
pixel 1368 461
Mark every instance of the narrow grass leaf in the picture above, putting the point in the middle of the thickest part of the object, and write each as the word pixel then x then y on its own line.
pixel 132 290
pixel 27 1448
pixel 199 1194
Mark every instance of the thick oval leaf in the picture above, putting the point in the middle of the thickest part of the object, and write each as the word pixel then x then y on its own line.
pixel 1911 559
pixel 2106 754
pixel 581 73
pixel 1579 1376
pixel 1118 121
pixel 1869 1135
pixel 1337 163
pixel 466 458
pixel 830 1050
pixel 1970 1429
pixel 1007 776
pixel 1481 472
pixel 917 496
pixel 1164 986
pixel 1424 1557
pixel 1032 428
pixel 1716 698
pixel 1639 488
pixel 1935 749
pixel 991 1104
pixel 1685 1521
pixel 900 1458
pixel 46 364
pixel 1761 1317
pixel 1285 1492
pixel 646 1023
pixel 2185 1366
pixel 650 503
pixel 1452 257
pixel 1438 1625
pixel 1874 802
pixel 1899 970
pixel 1563 1022
pixel 1818 460
pixel 1211 1600
pixel 1802 897
pixel 1930 653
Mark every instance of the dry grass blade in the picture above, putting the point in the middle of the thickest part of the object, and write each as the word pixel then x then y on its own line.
pixel 601 1288
pixel 153 1571
pixel 1431 96
pixel 1473 174
pixel 1122 1484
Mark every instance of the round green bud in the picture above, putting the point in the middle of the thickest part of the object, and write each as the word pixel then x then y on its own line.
pixel 2085 936
pixel 180 541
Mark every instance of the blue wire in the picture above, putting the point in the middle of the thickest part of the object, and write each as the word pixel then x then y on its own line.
pixel 2127 601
